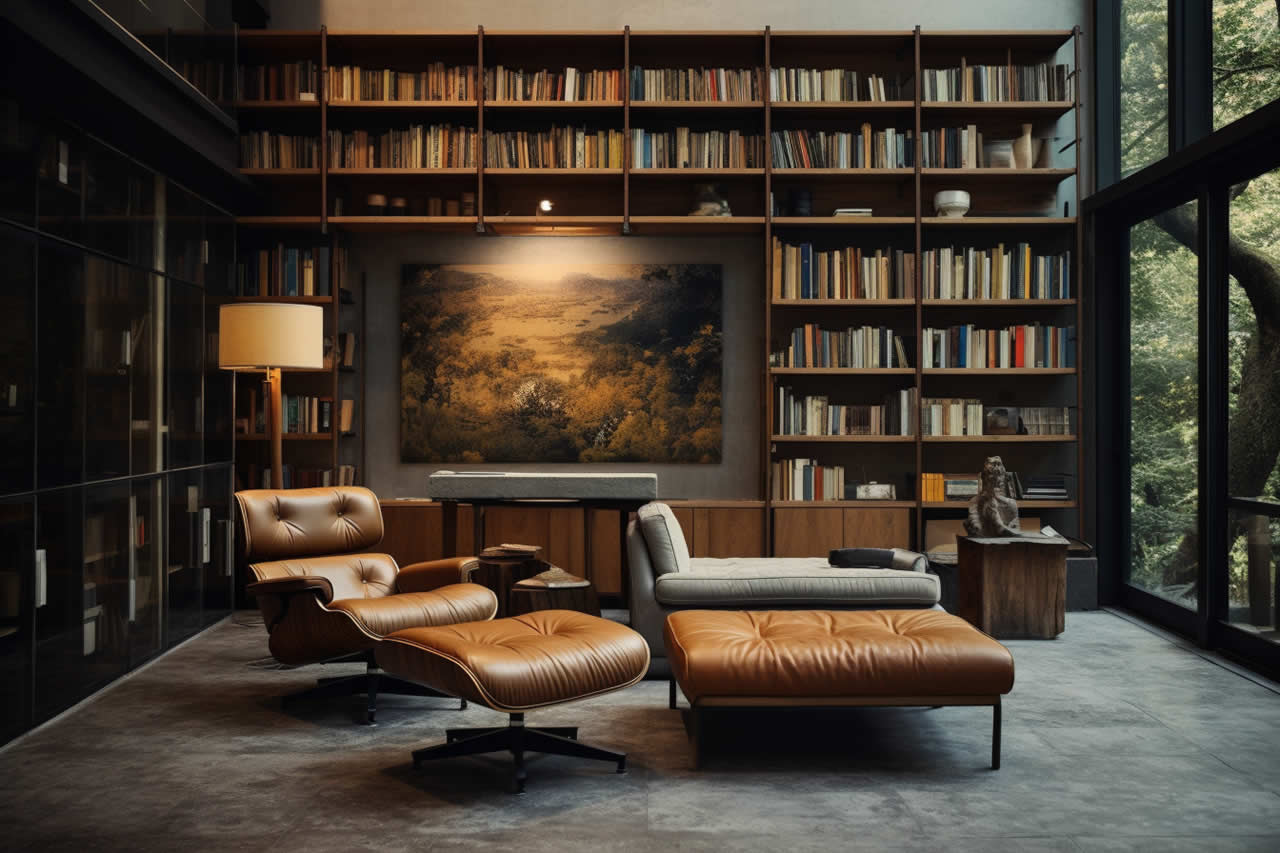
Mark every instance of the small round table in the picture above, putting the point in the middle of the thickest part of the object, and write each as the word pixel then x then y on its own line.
pixel 554 589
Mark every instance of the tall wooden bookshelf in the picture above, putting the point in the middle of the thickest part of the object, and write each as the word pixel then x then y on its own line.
pixel 1035 205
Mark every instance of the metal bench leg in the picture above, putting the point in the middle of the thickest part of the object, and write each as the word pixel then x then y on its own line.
pixel 671 693
pixel 995 736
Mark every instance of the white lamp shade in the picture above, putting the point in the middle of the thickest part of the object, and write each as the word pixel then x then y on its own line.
pixel 256 335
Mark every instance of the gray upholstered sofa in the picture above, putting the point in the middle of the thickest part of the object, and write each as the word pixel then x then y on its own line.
pixel 664 578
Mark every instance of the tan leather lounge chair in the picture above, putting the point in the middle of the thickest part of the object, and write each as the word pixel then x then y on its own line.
pixel 326 598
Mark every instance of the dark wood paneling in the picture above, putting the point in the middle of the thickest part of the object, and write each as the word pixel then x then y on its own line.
pixel 805 532
pixel 728 532
pixel 605 570
pixel 877 528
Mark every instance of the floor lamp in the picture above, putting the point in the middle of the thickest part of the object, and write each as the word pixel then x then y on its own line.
pixel 270 336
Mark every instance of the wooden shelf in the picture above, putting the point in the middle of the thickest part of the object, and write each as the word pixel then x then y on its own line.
pixel 403 223
pixel 845 439
pixel 344 171
pixel 554 225
pixel 695 173
pixel 843 221
pixel 999 371
pixel 499 171
pixel 844 303
pixel 1029 108
pixel 987 221
pixel 288 436
pixel 999 439
pixel 553 105
pixel 840 106
pixel 403 105
pixel 1000 174
pixel 964 505
pixel 849 504
pixel 697 105
pixel 997 303
pixel 290 300
pixel 865 174
pixel 843 371
pixel 279 221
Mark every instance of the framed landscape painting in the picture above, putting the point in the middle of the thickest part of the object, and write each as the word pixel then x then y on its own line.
pixel 560 363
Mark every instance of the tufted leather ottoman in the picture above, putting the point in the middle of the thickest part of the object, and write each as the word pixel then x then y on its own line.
pixel 516 665
pixel 818 658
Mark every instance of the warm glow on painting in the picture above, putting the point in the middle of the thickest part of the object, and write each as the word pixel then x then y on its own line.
pixel 560 363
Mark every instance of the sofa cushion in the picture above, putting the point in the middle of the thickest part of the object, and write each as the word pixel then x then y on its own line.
pixel 755 582
pixel 663 538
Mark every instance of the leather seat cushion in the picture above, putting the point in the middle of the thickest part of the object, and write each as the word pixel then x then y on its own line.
pixel 804 582
pixel 459 602
pixel 827 654
pixel 541 658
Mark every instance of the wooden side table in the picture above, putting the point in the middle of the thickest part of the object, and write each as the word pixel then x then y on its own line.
pixel 1013 587
pixel 537 593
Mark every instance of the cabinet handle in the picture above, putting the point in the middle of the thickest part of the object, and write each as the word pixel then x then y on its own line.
pixel 206 517
pixel 42 578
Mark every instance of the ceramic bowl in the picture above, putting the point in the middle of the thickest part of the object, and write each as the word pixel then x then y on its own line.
pixel 952 203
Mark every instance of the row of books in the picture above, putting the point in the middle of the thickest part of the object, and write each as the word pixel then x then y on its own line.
pixel 1013 272
pixel 437 83
pixel 253 476
pixel 266 150
pixel 695 84
pixel 803 272
pixel 1031 345
pixel 571 84
pixel 864 149
pixel 957 416
pixel 962 487
pixel 284 271
pixel 837 84
pixel 683 148
pixel 1042 81
pixel 817 415
pixel 344 354
pixel 436 146
pixel 208 76
pixel 858 347
pixel 935 488
pixel 557 148
pixel 807 480
pixel 957 148
pixel 285 81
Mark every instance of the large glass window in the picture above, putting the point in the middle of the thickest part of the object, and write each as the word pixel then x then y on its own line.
pixel 1144 83
pixel 1246 57
pixel 1164 385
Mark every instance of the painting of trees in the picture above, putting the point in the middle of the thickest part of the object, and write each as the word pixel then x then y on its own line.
pixel 561 363
pixel 1164 294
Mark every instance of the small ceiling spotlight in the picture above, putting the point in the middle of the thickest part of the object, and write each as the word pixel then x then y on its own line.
pixel 544 206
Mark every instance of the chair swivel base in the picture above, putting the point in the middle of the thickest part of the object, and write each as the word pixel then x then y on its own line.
pixel 517 739
pixel 373 682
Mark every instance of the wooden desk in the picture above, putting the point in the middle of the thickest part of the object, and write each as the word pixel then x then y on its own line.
pixel 1013 587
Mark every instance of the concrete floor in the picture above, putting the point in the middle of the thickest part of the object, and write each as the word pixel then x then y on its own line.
pixel 1115 739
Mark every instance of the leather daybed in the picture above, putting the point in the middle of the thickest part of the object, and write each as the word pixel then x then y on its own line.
pixel 845 658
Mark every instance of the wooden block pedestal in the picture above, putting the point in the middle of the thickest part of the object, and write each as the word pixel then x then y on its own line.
pixel 1013 588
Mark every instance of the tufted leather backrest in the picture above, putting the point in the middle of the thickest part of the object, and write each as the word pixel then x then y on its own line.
pixel 349 575
pixel 292 523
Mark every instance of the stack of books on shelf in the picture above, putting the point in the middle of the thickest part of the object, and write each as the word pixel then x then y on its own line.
pixel 1031 345
pixel 861 347
pixel 346 417
pixel 437 83
pixel 989 83
pixel 695 84
pixel 571 84
pixel 936 488
pixel 953 148
pixel 806 480
pixel 287 81
pixel 1013 272
pixel 344 355
pixel 801 272
pixel 835 85
pixel 685 149
pixel 208 77
pixel 557 148
pixel 282 271
pixel 1041 487
pixel 816 415
pixel 266 150
pixel 889 148
pixel 416 147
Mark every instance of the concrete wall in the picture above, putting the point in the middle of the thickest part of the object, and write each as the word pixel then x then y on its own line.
pixel 381 257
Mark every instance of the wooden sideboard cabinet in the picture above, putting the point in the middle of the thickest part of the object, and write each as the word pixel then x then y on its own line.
pixel 815 531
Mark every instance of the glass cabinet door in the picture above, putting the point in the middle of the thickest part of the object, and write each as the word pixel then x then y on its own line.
pixel 17 362
pixel 185 570
pixel 60 361
pixel 119 205
pixel 186 374
pixel 217 543
pixel 20 149
pixel 17 599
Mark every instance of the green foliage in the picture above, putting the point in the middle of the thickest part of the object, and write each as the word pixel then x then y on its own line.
pixel 487 375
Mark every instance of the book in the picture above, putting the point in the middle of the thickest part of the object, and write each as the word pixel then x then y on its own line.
pixel 346 415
